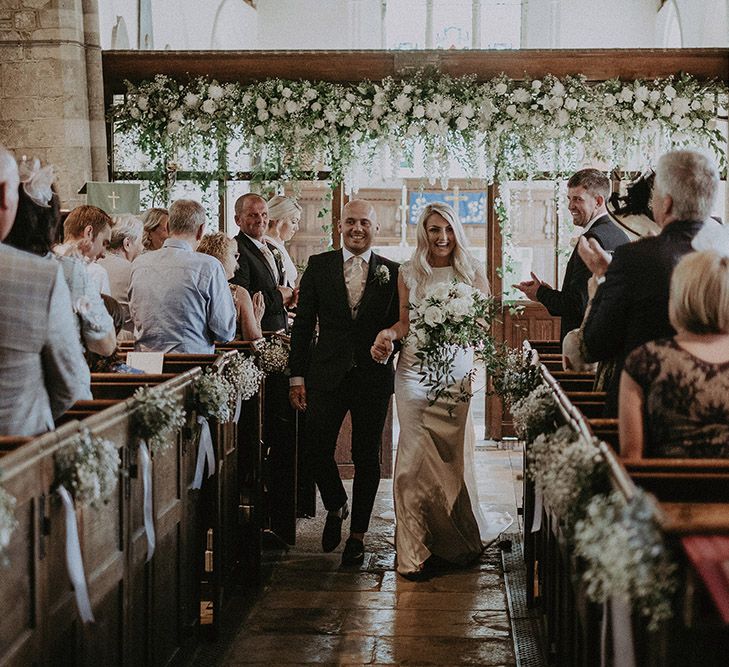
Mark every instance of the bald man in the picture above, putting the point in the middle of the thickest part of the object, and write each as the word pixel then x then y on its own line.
pixel 351 294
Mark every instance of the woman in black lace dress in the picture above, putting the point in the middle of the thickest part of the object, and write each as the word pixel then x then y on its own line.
pixel 674 392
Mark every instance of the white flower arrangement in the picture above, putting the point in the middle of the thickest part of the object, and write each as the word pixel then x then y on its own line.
pixel 499 129
pixel 382 275
pixel 273 356
pixel 536 413
pixel 513 374
pixel 625 555
pixel 243 375
pixel 213 394
pixel 449 318
pixel 156 414
pixel 89 468
pixel 569 470
pixel 8 522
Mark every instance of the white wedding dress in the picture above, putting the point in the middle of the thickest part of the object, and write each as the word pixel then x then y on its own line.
pixel 437 510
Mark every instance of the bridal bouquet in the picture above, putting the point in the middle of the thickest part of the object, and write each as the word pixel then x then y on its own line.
pixel 450 318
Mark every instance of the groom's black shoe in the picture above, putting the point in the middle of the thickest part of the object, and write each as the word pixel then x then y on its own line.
pixel 353 553
pixel 332 534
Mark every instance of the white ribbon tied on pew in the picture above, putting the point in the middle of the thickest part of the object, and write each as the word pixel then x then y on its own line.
pixel 617 623
pixel 538 505
pixel 204 453
pixel 238 405
pixel 146 464
pixel 74 561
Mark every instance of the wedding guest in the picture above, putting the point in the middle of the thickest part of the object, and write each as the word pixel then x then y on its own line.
pixel 44 371
pixel 86 231
pixel 674 392
pixel 114 363
pixel 284 215
pixel 250 309
pixel 631 305
pixel 36 226
pixel 587 193
pixel 156 228
pixel 179 299
pixel 125 245
pixel 259 270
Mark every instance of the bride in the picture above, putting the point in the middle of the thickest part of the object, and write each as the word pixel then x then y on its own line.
pixel 436 503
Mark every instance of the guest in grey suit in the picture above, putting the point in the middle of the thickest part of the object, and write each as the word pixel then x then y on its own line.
pixel 44 371
pixel 587 192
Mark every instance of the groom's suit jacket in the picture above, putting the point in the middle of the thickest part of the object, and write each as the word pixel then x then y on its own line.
pixel 254 274
pixel 570 302
pixel 344 341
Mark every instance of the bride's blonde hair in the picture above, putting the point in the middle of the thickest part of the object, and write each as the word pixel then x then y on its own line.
pixel 463 262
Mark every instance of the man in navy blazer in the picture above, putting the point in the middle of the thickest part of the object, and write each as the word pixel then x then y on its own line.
pixel 631 304
pixel 587 192
pixel 259 265
pixel 350 295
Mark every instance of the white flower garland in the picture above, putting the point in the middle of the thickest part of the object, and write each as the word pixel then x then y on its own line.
pixel 499 129
pixel 626 556
pixel 156 415
pixel 8 522
pixel 89 468
pixel 273 356
pixel 243 375
pixel 569 470
pixel 213 395
pixel 536 413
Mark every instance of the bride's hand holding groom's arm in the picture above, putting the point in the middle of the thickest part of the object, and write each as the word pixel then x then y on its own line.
pixel 384 342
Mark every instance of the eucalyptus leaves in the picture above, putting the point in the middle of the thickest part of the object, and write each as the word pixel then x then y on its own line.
pixel 89 468
pixel 499 129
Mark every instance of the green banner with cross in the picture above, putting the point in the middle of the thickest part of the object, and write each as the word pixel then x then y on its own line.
pixel 114 198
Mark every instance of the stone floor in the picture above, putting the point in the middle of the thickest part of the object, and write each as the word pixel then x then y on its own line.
pixel 314 611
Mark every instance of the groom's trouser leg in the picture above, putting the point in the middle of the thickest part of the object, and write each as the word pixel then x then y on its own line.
pixel 368 409
pixel 325 413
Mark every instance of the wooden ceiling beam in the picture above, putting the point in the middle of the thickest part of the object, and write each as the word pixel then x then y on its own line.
pixel 345 66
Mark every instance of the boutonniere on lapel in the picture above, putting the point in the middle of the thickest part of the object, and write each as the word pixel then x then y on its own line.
pixel 276 253
pixel 382 275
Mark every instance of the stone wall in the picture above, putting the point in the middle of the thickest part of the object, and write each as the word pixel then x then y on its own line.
pixel 51 97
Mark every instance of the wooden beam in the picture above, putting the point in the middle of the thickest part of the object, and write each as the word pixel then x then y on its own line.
pixel 346 66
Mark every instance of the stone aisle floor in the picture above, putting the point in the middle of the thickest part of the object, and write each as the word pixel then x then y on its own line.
pixel 313 611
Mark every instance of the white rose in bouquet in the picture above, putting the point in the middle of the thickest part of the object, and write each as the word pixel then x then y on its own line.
pixel 434 315
pixel 459 308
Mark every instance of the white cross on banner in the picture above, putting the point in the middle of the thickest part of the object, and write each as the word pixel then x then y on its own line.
pixel 114 198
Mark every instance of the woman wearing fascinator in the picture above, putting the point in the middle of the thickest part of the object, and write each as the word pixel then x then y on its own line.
pixel 674 392
pixel 35 230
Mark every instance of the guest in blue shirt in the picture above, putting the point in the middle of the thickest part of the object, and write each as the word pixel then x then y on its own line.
pixel 179 299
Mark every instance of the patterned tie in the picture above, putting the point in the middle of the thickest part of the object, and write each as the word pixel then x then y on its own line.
pixel 355 282
pixel 271 261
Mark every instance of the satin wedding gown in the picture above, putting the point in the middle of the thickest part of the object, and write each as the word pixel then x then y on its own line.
pixel 437 510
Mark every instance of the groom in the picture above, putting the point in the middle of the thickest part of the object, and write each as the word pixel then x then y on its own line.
pixel 351 294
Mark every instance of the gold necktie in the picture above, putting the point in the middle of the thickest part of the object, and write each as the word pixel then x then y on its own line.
pixel 355 282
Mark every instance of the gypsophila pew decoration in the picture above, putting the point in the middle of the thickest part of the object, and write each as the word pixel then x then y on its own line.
pixel 569 470
pixel 89 468
pixel 8 522
pixel 273 355
pixel 625 555
pixel 502 129
pixel 243 375
pixel 448 319
pixel 514 374
pixel 212 395
pixel 535 414
pixel 156 415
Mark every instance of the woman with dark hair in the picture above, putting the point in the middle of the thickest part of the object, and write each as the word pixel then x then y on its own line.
pixel 35 230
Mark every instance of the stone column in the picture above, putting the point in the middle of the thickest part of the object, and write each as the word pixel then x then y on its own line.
pixel 51 103
pixel 383 24
pixel 475 24
pixel 428 24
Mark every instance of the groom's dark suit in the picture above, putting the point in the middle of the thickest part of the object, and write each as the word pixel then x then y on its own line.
pixel 255 275
pixel 341 376
pixel 570 302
